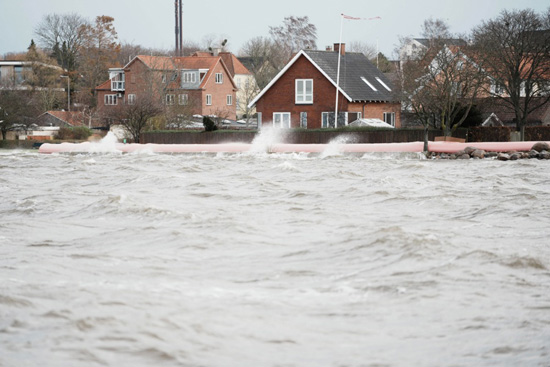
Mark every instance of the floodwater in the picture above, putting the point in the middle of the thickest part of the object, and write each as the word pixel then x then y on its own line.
pixel 273 260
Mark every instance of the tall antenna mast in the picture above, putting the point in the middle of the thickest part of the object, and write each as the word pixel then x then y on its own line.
pixel 181 27
pixel 178 5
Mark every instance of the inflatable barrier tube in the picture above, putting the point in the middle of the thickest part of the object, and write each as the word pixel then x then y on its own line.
pixel 438 147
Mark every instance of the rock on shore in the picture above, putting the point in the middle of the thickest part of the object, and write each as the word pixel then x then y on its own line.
pixel 540 150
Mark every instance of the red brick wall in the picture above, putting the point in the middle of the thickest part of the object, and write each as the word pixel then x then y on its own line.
pixel 281 98
pixel 219 93
pixel 138 79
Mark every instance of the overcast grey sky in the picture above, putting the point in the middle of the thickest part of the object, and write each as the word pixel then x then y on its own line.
pixel 150 23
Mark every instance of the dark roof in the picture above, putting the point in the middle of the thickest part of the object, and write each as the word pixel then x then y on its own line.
pixel 252 63
pixel 447 41
pixel 360 80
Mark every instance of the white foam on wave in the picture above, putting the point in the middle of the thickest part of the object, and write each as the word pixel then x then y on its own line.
pixel 105 145
pixel 265 140
pixel 287 166
pixel 335 146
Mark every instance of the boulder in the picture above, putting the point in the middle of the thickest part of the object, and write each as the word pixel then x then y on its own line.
pixel 470 150
pixel 544 155
pixel 463 156
pixel 503 157
pixel 478 153
pixel 515 156
pixel 540 146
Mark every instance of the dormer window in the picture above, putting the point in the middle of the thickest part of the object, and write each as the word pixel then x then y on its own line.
pixel 189 77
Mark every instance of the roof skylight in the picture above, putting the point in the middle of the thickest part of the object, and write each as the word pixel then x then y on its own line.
pixel 369 84
pixel 383 84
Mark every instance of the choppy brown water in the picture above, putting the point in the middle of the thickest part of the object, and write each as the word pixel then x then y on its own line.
pixel 273 260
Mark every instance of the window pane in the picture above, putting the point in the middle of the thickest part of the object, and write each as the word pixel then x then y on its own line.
pixel 309 86
pixel 286 120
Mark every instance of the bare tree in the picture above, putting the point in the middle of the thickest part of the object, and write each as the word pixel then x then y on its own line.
pixel 62 35
pixel 136 117
pixel 296 34
pixel 514 50
pixel 363 47
pixel 262 59
pixel 435 30
pixel 247 93
pixel 17 108
pixel 441 88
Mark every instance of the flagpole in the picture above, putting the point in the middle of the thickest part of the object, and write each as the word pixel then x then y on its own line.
pixel 338 73
pixel 342 17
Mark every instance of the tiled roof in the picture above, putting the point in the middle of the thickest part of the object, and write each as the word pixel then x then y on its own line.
pixel 156 62
pixel 166 63
pixel 233 64
pixel 104 86
pixel 359 78
pixel 73 118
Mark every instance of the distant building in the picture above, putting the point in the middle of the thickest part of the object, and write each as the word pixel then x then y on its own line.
pixel 303 94
pixel 14 74
pixel 414 47
pixel 202 84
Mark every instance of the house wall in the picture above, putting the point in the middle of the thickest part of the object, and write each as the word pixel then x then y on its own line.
pixel 375 110
pixel 138 80
pixel 247 90
pixel 281 98
pixel 219 93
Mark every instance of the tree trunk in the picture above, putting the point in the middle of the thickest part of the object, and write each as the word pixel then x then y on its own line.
pixel 522 132
pixel 426 138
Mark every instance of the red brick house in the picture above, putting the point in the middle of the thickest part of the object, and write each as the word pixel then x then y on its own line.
pixel 201 82
pixel 303 94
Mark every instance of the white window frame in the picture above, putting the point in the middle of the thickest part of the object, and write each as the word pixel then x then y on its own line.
pixel 170 99
pixel 303 120
pixel 391 117
pixel 279 120
pixel 189 77
pixel 229 100
pixel 131 99
pixel 325 118
pixel 301 91
pixel 183 99
pixel 219 78
pixel 110 100
pixel 209 100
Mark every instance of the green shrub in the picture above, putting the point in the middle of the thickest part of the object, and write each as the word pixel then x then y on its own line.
pixel 73 133
pixel 209 124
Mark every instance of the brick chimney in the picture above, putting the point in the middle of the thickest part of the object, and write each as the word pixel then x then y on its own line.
pixel 340 48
